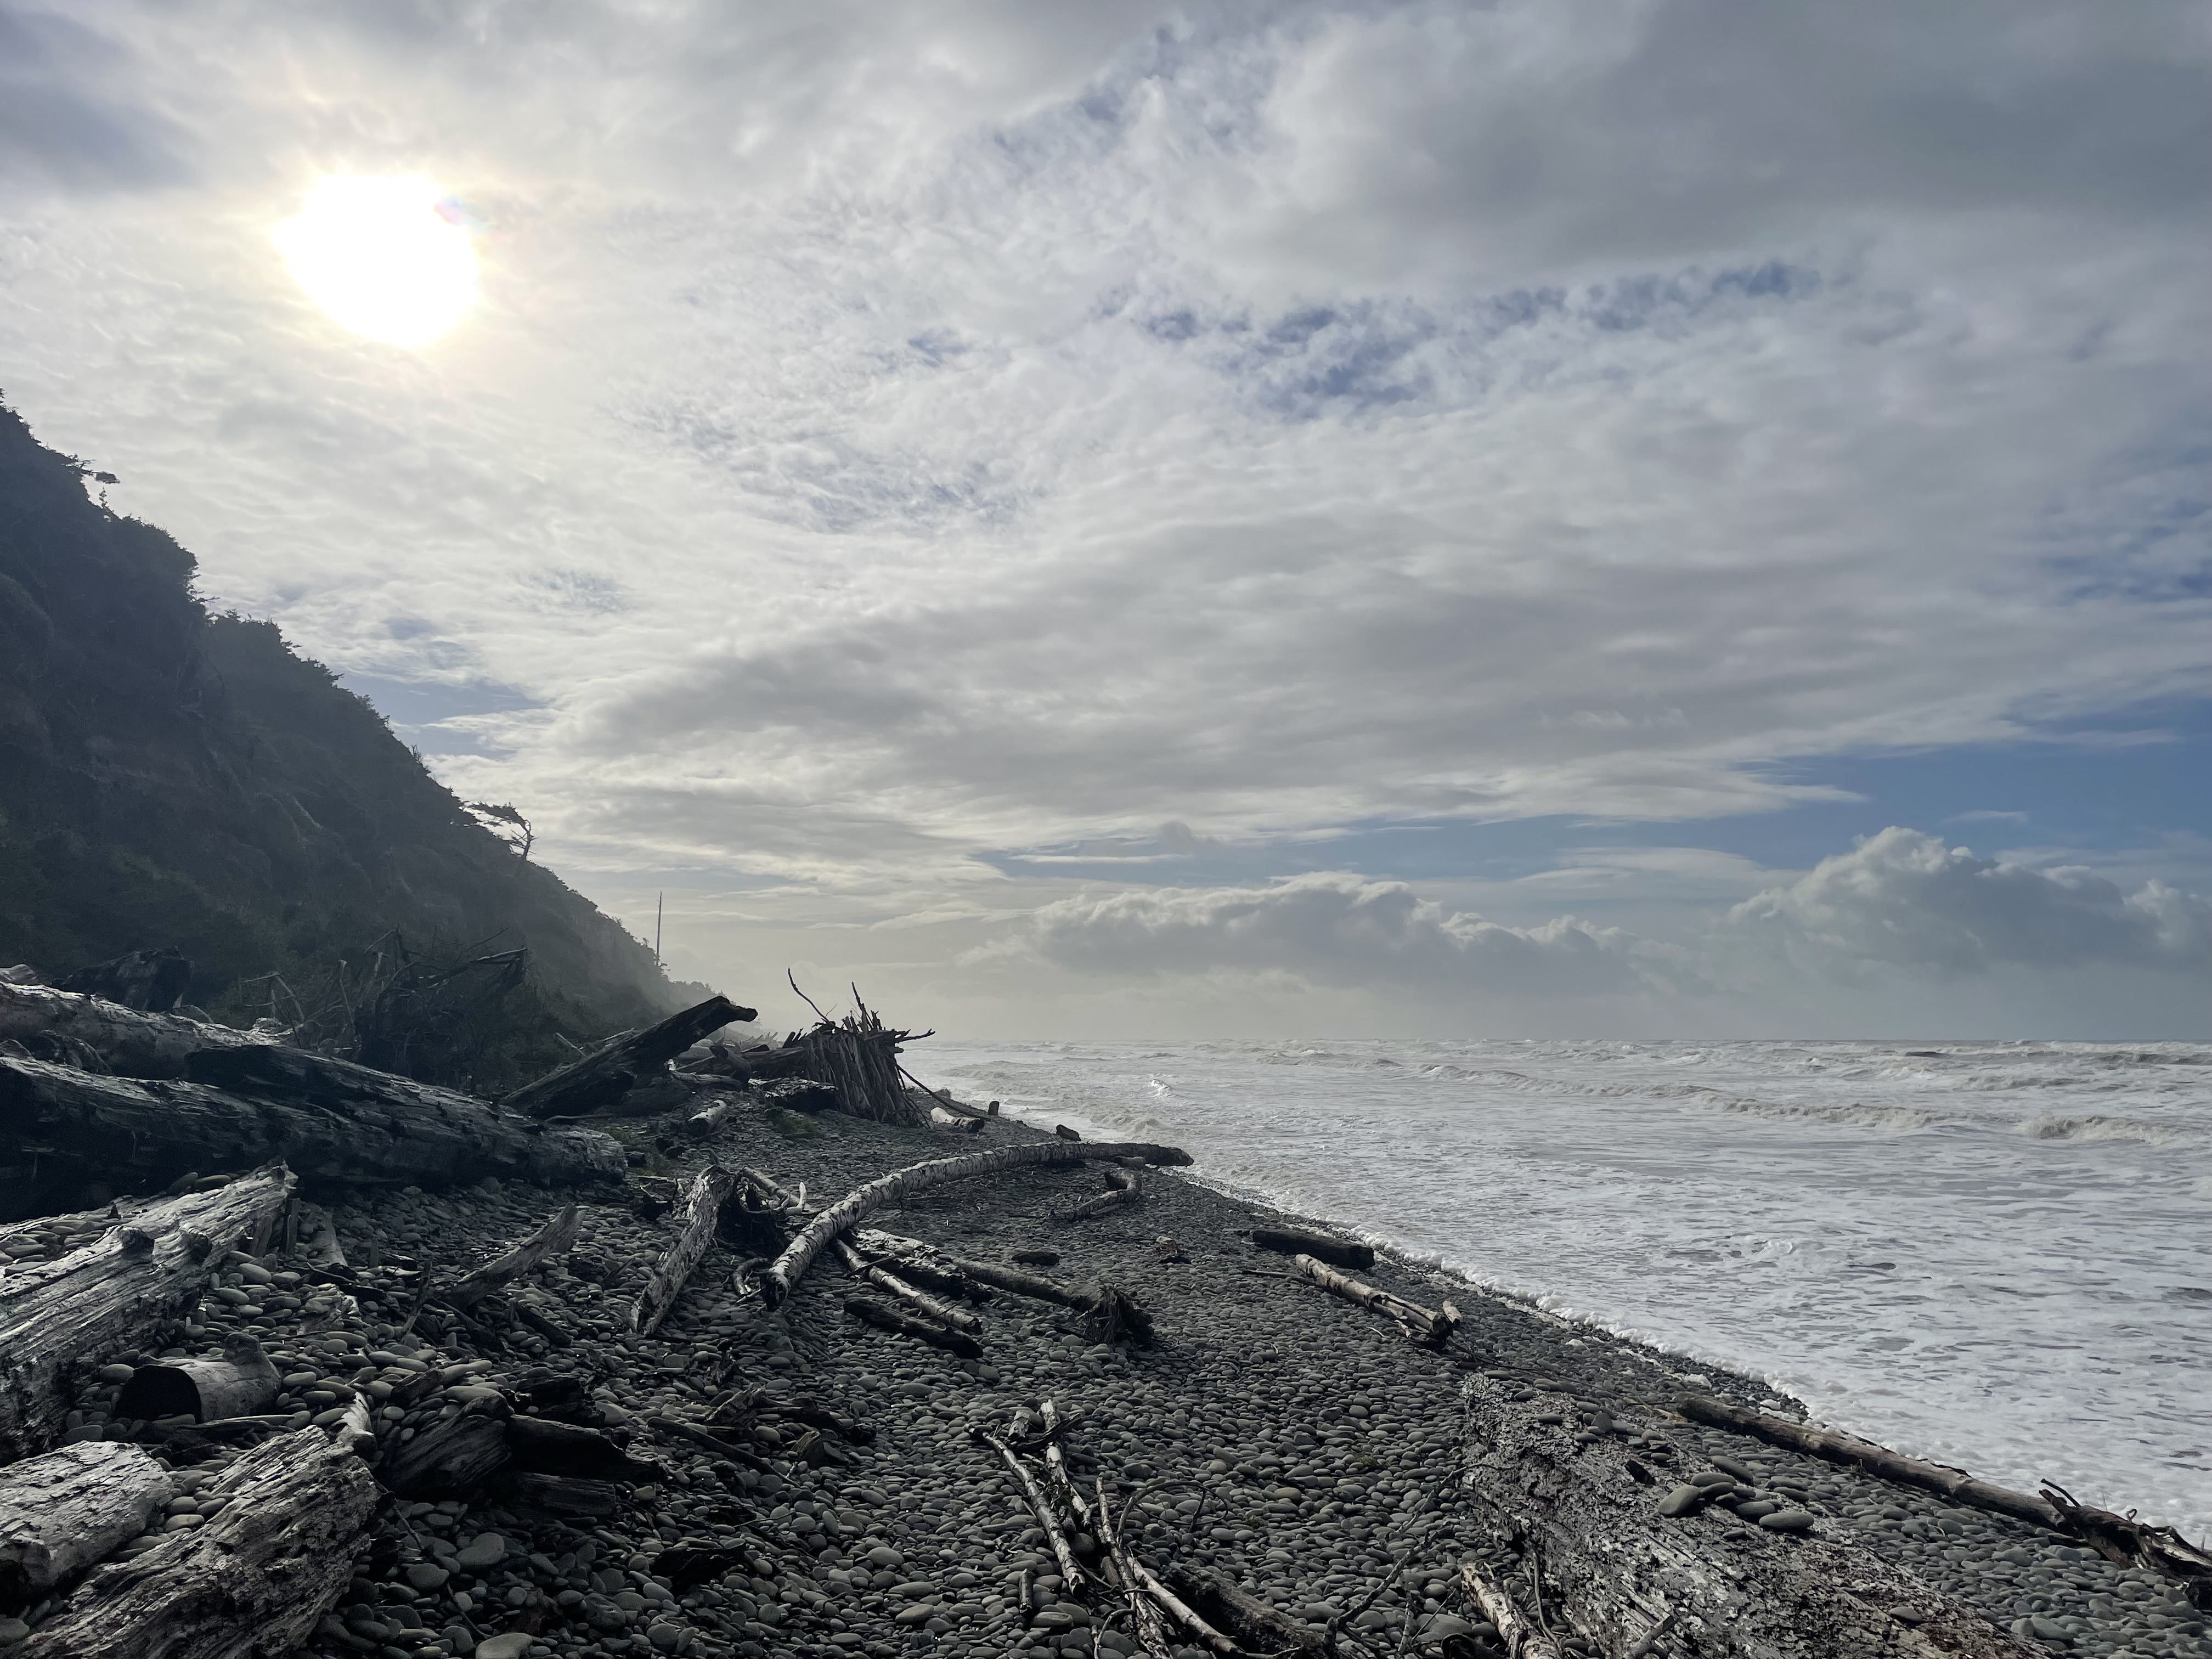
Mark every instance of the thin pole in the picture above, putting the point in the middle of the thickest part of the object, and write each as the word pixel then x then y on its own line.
pixel 658 899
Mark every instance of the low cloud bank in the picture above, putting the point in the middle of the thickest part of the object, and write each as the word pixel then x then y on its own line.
pixel 1335 928
pixel 1900 900
pixel 1903 899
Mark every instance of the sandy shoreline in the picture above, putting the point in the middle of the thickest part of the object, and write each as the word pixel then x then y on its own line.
pixel 1298 1444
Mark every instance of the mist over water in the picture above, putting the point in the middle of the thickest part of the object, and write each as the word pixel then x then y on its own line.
pixel 1998 1256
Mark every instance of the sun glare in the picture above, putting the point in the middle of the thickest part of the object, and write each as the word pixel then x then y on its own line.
pixel 391 258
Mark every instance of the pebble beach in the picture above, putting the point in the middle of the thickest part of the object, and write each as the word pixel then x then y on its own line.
pixel 1293 1442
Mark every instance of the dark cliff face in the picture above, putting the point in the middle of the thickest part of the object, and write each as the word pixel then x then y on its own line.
pixel 168 777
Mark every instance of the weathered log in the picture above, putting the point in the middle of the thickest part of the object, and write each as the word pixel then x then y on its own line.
pixel 884 1318
pixel 55 1315
pixel 1431 1327
pixel 1109 1315
pixel 1128 1189
pixel 132 1042
pixel 2118 1538
pixel 604 1076
pixel 550 1240
pixel 1337 1252
pixel 1186 1615
pixel 696 1218
pixel 863 1201
pixel 1071 1572
pixel 455 1453
pixel 565 1495
pixel 252 1580
pixel 1151 1633
pixel 885 1281
pixel 1251 1621
pixel 939 1097
pixel 540 1447
pixel 1611 1565
pixel 703 1123
pixel 1056 1477
pixel 70 1508
pixel 241 1383
pixel 720 1445
pixel 1523 1640
pixel 383 1130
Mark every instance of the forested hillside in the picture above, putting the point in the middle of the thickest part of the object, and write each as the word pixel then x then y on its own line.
pixel 173 778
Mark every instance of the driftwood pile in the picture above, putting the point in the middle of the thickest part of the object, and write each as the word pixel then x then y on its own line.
pixel 1577 1545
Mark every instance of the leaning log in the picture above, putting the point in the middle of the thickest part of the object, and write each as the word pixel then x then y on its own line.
pixel 254 1579
pixel 69 1509
pixel 57 1314
pixel 1583 1517
pixel 1431 1327
pixel 132 1042
pixel 604 1076
pixel 550 1240
pixel 696 1218
pixel 382 1130
pixel 2118 1538
pixel 864 1200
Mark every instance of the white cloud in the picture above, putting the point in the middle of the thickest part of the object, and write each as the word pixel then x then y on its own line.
pixel 1904 899
pixel 1335 929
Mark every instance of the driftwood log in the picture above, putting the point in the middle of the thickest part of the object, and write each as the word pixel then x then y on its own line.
pixel 1243 1616
pixel 1337 1252
pixel 70 1508
pixel 1522 1639
pixel 550 1240
pixel 1585 1519
pixel 252 1581
pixel 132 1042
pixel 1071 1574
pixel 1431 1327
pixel 404 1134
pixel 702 1124
pixel 2117 1537
pixel 1126 1188
pixel 56 1316
pixel 241 1383
pixel 604 1076
pixel 1109 1315
pixel 864 1200
pixel 884 1318
pixel 696 1218
pixel 455 1453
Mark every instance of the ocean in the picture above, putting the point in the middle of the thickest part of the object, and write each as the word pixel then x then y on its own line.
pixel 1996 1254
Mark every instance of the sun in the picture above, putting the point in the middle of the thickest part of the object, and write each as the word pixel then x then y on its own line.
pixel 391 259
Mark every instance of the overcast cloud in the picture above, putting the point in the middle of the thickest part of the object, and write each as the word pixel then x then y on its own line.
pixel 904 456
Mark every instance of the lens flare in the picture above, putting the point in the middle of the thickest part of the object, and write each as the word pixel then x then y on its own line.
pixel 391 259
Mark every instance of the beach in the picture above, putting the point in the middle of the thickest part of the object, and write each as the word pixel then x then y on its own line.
pixel 1296 1443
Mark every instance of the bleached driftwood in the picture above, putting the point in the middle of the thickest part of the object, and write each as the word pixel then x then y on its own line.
pixel 1522 1639
pixel 382 1130
pixel 1428 1325
pixel 252 1580
pixel 695 1219
pixel 1337 1252
pixel 1128 1189
pixel 884 1318
pixel 1071 1574
pixel 863 1201
pixel 2117 1537
pixel 55 1315
pixel 550 1240
pixel 68 1509
pixel 1586 1527
pixel 132 1042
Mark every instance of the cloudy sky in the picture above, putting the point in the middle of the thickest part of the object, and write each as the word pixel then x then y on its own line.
pixel 1634 516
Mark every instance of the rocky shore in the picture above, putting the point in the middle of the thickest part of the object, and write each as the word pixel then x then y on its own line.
pixel 1298 1445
